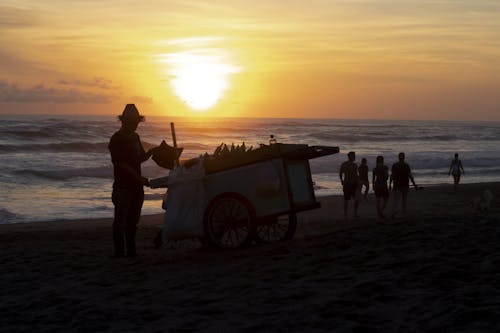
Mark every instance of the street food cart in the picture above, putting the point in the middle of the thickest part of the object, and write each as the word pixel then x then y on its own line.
pixel 246 195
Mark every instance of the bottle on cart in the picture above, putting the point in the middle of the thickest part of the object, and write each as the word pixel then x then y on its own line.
pixel 272 139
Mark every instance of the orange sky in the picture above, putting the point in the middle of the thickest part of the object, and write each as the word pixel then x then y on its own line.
pixel 409 59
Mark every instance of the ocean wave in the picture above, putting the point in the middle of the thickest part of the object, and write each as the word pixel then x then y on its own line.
pixel 333 136
pixel 65 174
pixel 98 147
pixel 53 131
pixel 7 216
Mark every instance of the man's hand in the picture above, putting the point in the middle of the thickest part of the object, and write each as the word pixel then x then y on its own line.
pixel 145 181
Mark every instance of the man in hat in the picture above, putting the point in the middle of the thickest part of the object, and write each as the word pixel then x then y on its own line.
pixel 127 154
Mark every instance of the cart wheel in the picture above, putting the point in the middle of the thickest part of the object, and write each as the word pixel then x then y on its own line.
pixel 229 221
pixel 279 228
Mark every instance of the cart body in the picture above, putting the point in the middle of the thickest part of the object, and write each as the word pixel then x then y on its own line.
pixel 253 196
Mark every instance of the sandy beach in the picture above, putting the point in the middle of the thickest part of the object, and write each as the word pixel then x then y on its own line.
pixel 436 270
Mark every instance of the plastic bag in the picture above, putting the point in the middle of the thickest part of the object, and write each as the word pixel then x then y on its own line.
pixel 185 203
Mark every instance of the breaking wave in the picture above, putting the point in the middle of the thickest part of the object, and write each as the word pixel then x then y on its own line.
pixel 65 174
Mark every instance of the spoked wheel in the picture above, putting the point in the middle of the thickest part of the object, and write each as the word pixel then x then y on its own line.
pixel 229 220
pixel 276 229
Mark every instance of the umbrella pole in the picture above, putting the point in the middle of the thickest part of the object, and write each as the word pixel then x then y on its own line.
pixel 174 141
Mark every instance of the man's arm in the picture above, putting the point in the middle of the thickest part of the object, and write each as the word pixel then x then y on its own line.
pixel 132 173
pixel 147 155
pixel 340 174
pixel 391 178
pixel 411 177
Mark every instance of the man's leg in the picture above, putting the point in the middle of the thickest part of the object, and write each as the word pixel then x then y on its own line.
pixel 395 203
pixel 356 205
pixel 404 195
pixel 346 204
pixel 121 202
pixel 132 221
pixel 380 210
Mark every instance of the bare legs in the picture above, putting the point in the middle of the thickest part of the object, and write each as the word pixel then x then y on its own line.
pixel 381 204
pixel 346 206
pixel 456 180
pixel 397 193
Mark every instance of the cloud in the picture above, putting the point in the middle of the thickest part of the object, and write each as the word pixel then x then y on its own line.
pixel 13 93
pixel 12 17
pixel 97 82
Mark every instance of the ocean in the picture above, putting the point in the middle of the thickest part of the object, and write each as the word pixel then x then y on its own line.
pixel 59 168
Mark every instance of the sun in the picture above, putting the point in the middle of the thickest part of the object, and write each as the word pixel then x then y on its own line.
pixel 199 82
pixel 199 76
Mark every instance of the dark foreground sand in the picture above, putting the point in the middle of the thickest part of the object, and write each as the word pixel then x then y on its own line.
pixel 438 270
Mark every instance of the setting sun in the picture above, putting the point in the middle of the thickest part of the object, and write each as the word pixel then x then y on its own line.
pixel 198 75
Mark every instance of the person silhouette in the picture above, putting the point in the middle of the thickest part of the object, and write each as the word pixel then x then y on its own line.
pixel 349 178
pixel 456 169
pixel 380 175
pixel 127 154
pixel 400 177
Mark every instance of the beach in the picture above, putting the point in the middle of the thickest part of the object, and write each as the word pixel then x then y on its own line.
pixel 435 270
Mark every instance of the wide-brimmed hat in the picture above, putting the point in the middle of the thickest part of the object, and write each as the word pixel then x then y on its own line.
pixel 131 113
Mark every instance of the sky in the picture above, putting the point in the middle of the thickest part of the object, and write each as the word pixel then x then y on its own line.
pixel 371 59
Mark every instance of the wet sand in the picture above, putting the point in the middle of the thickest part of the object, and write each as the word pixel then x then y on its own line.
pixel 437 270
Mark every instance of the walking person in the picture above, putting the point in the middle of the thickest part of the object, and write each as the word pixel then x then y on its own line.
pixel 363 178
pixel 127 154
pixel 400 180
pixel 456 169
pixel 380 175
pixel 349 179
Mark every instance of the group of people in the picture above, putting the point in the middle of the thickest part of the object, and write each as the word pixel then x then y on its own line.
pixel 354 179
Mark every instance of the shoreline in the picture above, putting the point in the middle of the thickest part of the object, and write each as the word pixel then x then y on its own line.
pixel 474 188
pixel 326 198
pixel 435 270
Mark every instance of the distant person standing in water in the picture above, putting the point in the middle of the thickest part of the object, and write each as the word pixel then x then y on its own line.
pixel 456 169
pixel 127 154
pixel 363 178
pixel 380 175
pixel 349 179
pixel 400 177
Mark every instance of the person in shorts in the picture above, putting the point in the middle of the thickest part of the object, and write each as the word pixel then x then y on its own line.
pixel 456 169
pixel 400 180
pixel 380 175
pixel 349 178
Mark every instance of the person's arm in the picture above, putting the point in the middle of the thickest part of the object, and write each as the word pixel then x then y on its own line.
pixel 340 174
pixel 373 179
pixel 451 167
pixel 411 177
pixel 413 181
pixel 391 177
pixel 144 155
pixel 461 167
pixel 147 155
pixel 129 171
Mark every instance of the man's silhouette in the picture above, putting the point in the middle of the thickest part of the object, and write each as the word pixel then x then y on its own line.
pixel 127 154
